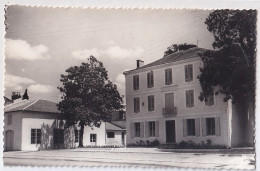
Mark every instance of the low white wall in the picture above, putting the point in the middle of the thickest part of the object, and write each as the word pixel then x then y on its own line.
pixel 117 140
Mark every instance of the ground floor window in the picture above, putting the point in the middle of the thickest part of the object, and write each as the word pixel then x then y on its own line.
pixel 76 133
pixel 210 126
pixel 58 136
pixel 151 129
pixel 110 134
pixel 190 127
pixel 93 137
pixel 35 136
pixel 137 129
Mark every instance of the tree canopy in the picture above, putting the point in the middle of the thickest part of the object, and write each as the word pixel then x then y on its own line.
pixel 89 97
pixel 230 68
pixel 177 47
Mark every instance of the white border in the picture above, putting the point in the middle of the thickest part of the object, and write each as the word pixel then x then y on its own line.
pixel 202 4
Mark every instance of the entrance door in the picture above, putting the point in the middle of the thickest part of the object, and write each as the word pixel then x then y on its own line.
pixel 93 139
pixel 170 131
pixel 123 138
pixel 9 140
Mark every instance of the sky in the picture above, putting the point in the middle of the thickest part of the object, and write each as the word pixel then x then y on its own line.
pixel 42 42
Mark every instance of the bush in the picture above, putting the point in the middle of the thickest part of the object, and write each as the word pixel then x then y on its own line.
pixel 192 145
pixel 146 143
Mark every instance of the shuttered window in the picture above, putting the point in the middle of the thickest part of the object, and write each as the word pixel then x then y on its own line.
pixel 9 119
pixel 136 105
pixel 150 103
pixel 137 129
pixel 190 98
pixel 35 136
pixel 190 127
pixel 151 129
pixel 110 134
pixel 209 101
pixel 210 126
pixel 188 73
pixel 136 82
pixel 168 76
pixel 150 82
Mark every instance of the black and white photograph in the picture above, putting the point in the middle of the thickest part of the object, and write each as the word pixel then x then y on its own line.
pixel 129 87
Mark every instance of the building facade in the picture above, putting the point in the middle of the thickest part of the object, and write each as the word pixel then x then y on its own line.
pixel 37 125
pixel 162 104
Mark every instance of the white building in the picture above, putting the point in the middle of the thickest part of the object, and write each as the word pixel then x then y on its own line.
pixel 162 103
pixel 37 125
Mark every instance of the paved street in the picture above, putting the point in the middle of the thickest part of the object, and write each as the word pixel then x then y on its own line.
pixel 128 157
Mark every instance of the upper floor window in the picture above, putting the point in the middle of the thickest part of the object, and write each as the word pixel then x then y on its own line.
pixel 189 98
pixel 150 103
pixel 136 82
pixel 188 73
pixel 209 101
pixel 9 119
pixel 150 82
pixel 136 105
pixel 35 136
pixel 168 76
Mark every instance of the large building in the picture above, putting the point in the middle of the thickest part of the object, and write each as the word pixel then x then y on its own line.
pixel 38 125
pixel 162 104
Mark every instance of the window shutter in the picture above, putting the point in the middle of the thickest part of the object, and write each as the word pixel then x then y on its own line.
pixel 197 127
pixel 186 73
pixel 191 73
pixel 166 77
pixel 146 129
pixel 184 128
pixel 132 130
pixel 203 124
pixel 142 129
pixel 170 77
pixel 156 128
pixel 137 82
pixel 152 83
pixel 187 99
pixel 192 98
pixel 217 126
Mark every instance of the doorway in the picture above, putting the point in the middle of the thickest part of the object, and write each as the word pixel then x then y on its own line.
pixel 9 140
pixel 170 131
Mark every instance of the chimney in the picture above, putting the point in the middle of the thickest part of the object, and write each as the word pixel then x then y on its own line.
pixel 139 63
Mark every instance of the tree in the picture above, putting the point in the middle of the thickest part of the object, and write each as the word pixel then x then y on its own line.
pixel 230 68
pixel 175 48
pixel 89 97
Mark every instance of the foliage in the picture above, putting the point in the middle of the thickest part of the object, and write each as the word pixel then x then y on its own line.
pixel 89 97
pixel 230 69
pixel 191 145
pixel 175 48
pixel 147 143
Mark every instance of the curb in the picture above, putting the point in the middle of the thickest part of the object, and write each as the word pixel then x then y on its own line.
pixel 231 150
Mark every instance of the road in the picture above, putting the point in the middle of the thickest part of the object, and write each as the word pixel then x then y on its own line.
pixel 127 157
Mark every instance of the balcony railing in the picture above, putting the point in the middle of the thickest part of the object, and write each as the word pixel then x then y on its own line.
pixel 170 112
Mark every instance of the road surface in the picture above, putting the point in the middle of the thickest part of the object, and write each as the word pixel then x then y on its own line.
pixel 128 157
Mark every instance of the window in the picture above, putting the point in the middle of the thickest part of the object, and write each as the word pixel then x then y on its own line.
pixel 150 103
pixel 189 98
pixel 110 134
pixel 168 76
pixel 209 101
pixel 151 129
pixel 136 82
pixel 137 129
pixel 58 136
pixel 190 127
pixel 35 136
pixel 93 137
pixel 9 119
pixel 188 73
pixel 76 135
pixel 150 82
pixel 136 105
pixel 210 126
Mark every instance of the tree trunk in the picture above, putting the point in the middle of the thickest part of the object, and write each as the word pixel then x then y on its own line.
pixel 81 133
